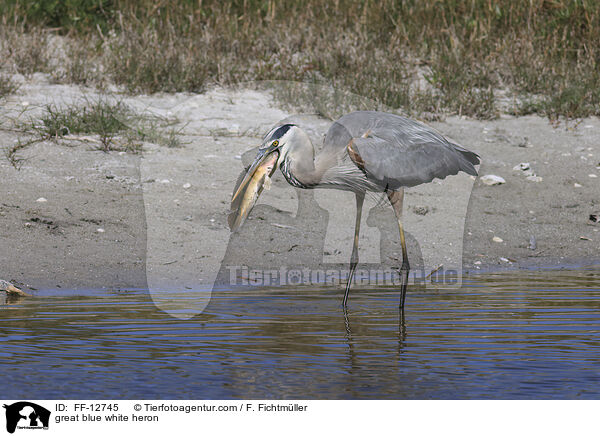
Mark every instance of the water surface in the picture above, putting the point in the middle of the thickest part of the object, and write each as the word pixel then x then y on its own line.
pixel 502 336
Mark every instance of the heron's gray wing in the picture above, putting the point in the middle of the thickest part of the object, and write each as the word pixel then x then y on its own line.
pixel 395 151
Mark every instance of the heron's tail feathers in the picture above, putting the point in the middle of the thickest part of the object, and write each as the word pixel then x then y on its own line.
pixel 468 159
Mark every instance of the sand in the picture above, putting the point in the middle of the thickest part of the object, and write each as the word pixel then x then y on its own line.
pixel 158 219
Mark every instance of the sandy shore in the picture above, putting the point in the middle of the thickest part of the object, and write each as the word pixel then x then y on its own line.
pixel 159 219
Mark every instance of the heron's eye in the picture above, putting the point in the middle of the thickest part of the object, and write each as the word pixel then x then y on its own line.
pixel 275 143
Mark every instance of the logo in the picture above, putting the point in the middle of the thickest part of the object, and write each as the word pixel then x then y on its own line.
pixel 26 415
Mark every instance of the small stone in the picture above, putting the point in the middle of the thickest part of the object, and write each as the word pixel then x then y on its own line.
pixel 593 176
pixel 41 200
pixel 187 185
pixel 477 262
pixel 532 243
pixel 100 230
pixel 164 181
pixel 421 210
pixel 523 166
pixel 497 239
pixel 504 259
pixel 492 180
pixel 576 185
pixel 536 179
pixel 525 143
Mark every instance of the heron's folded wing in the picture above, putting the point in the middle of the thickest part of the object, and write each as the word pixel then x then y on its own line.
pixel 395 159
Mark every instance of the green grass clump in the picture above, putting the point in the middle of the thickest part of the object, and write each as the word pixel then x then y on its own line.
pixel 101 117
pixel 110 123
pixel 108 120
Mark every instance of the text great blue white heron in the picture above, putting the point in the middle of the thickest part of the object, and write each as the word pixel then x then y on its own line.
pixel 362 151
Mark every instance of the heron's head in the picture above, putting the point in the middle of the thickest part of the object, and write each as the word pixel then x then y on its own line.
pixel 274 148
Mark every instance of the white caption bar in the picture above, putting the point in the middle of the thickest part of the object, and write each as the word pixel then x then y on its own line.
pixel 297 417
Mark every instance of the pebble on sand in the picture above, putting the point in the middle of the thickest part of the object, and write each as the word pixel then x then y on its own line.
pixel 187 185
pixel 41 200
pixel 497 239
pixel 523 166
pixel 532 243
pixel 421 210
pixel 534 178
pixel 492 180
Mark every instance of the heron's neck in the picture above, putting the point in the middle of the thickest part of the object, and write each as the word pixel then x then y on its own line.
pixel 299 166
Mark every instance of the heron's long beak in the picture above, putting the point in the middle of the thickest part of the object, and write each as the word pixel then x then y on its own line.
pixel 251 186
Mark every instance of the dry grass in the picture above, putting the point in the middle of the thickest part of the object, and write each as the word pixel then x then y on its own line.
pixel 419 55
pixel 7 86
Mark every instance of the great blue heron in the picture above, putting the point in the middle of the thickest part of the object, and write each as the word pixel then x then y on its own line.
pixel 362 151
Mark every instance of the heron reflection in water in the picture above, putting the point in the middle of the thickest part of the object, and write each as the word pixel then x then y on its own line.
pixel 364 151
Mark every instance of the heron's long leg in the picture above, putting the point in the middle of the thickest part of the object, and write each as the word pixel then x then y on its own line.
pixel 360 198
pixel 396 199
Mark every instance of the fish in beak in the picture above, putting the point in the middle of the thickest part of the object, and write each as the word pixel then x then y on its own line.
pixel 257 178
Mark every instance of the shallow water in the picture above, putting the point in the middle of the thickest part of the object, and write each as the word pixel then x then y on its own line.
pixel 511 335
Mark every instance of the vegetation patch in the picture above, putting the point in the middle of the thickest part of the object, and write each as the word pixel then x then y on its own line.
pixel 422 56
pixel 7 86
pixel 107 123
